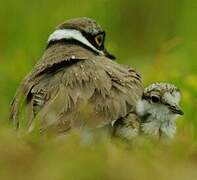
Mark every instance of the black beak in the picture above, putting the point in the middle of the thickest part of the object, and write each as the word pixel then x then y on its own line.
pixel 176 110
pixel 109 55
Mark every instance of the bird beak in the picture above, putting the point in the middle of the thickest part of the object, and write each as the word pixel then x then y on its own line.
pixel 109 55
pixel 176 110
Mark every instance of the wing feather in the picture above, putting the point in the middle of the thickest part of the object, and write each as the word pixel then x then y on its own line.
pixel 90 93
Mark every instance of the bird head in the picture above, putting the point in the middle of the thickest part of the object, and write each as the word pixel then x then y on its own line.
pixel 83 30
pixel 161 101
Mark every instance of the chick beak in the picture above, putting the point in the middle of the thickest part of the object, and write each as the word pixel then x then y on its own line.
pixel 176 110
pixel 109 55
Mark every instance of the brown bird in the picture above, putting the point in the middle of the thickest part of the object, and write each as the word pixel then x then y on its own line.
pixel 75 84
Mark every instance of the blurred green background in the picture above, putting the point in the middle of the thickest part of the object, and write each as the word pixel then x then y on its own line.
pixel 157 37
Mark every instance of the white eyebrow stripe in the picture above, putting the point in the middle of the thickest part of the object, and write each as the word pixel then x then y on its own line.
pixel 71 34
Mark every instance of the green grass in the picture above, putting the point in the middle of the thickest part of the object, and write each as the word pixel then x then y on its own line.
pixel 40 158
pixel 158 38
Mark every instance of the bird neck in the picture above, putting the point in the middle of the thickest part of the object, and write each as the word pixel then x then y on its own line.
pixel 67 50
pixel 153 125
pixel 70 42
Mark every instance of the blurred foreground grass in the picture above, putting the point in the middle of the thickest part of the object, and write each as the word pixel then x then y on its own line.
pixel 158 38
pixel 40 158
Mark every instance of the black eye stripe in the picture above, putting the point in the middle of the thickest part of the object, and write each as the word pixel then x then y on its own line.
pixel 92 39
pixel 154 99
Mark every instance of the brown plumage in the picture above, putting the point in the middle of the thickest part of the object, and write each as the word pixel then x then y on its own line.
pixel 72 86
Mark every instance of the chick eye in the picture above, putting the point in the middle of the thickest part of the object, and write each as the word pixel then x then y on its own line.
pixel 99 40
pixel 155 99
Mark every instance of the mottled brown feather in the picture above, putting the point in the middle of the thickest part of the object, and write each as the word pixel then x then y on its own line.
pixel 72 87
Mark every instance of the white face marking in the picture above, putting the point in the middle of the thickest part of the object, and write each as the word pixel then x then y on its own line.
pixel 71 34
pixel 172 99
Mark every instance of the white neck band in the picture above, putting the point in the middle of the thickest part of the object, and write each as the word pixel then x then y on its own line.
pixel 71 34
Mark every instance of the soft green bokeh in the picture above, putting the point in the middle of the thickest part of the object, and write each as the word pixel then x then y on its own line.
pixel 157 37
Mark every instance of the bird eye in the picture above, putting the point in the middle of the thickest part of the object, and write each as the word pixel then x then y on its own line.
pixel 155 99
pixel 99 40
